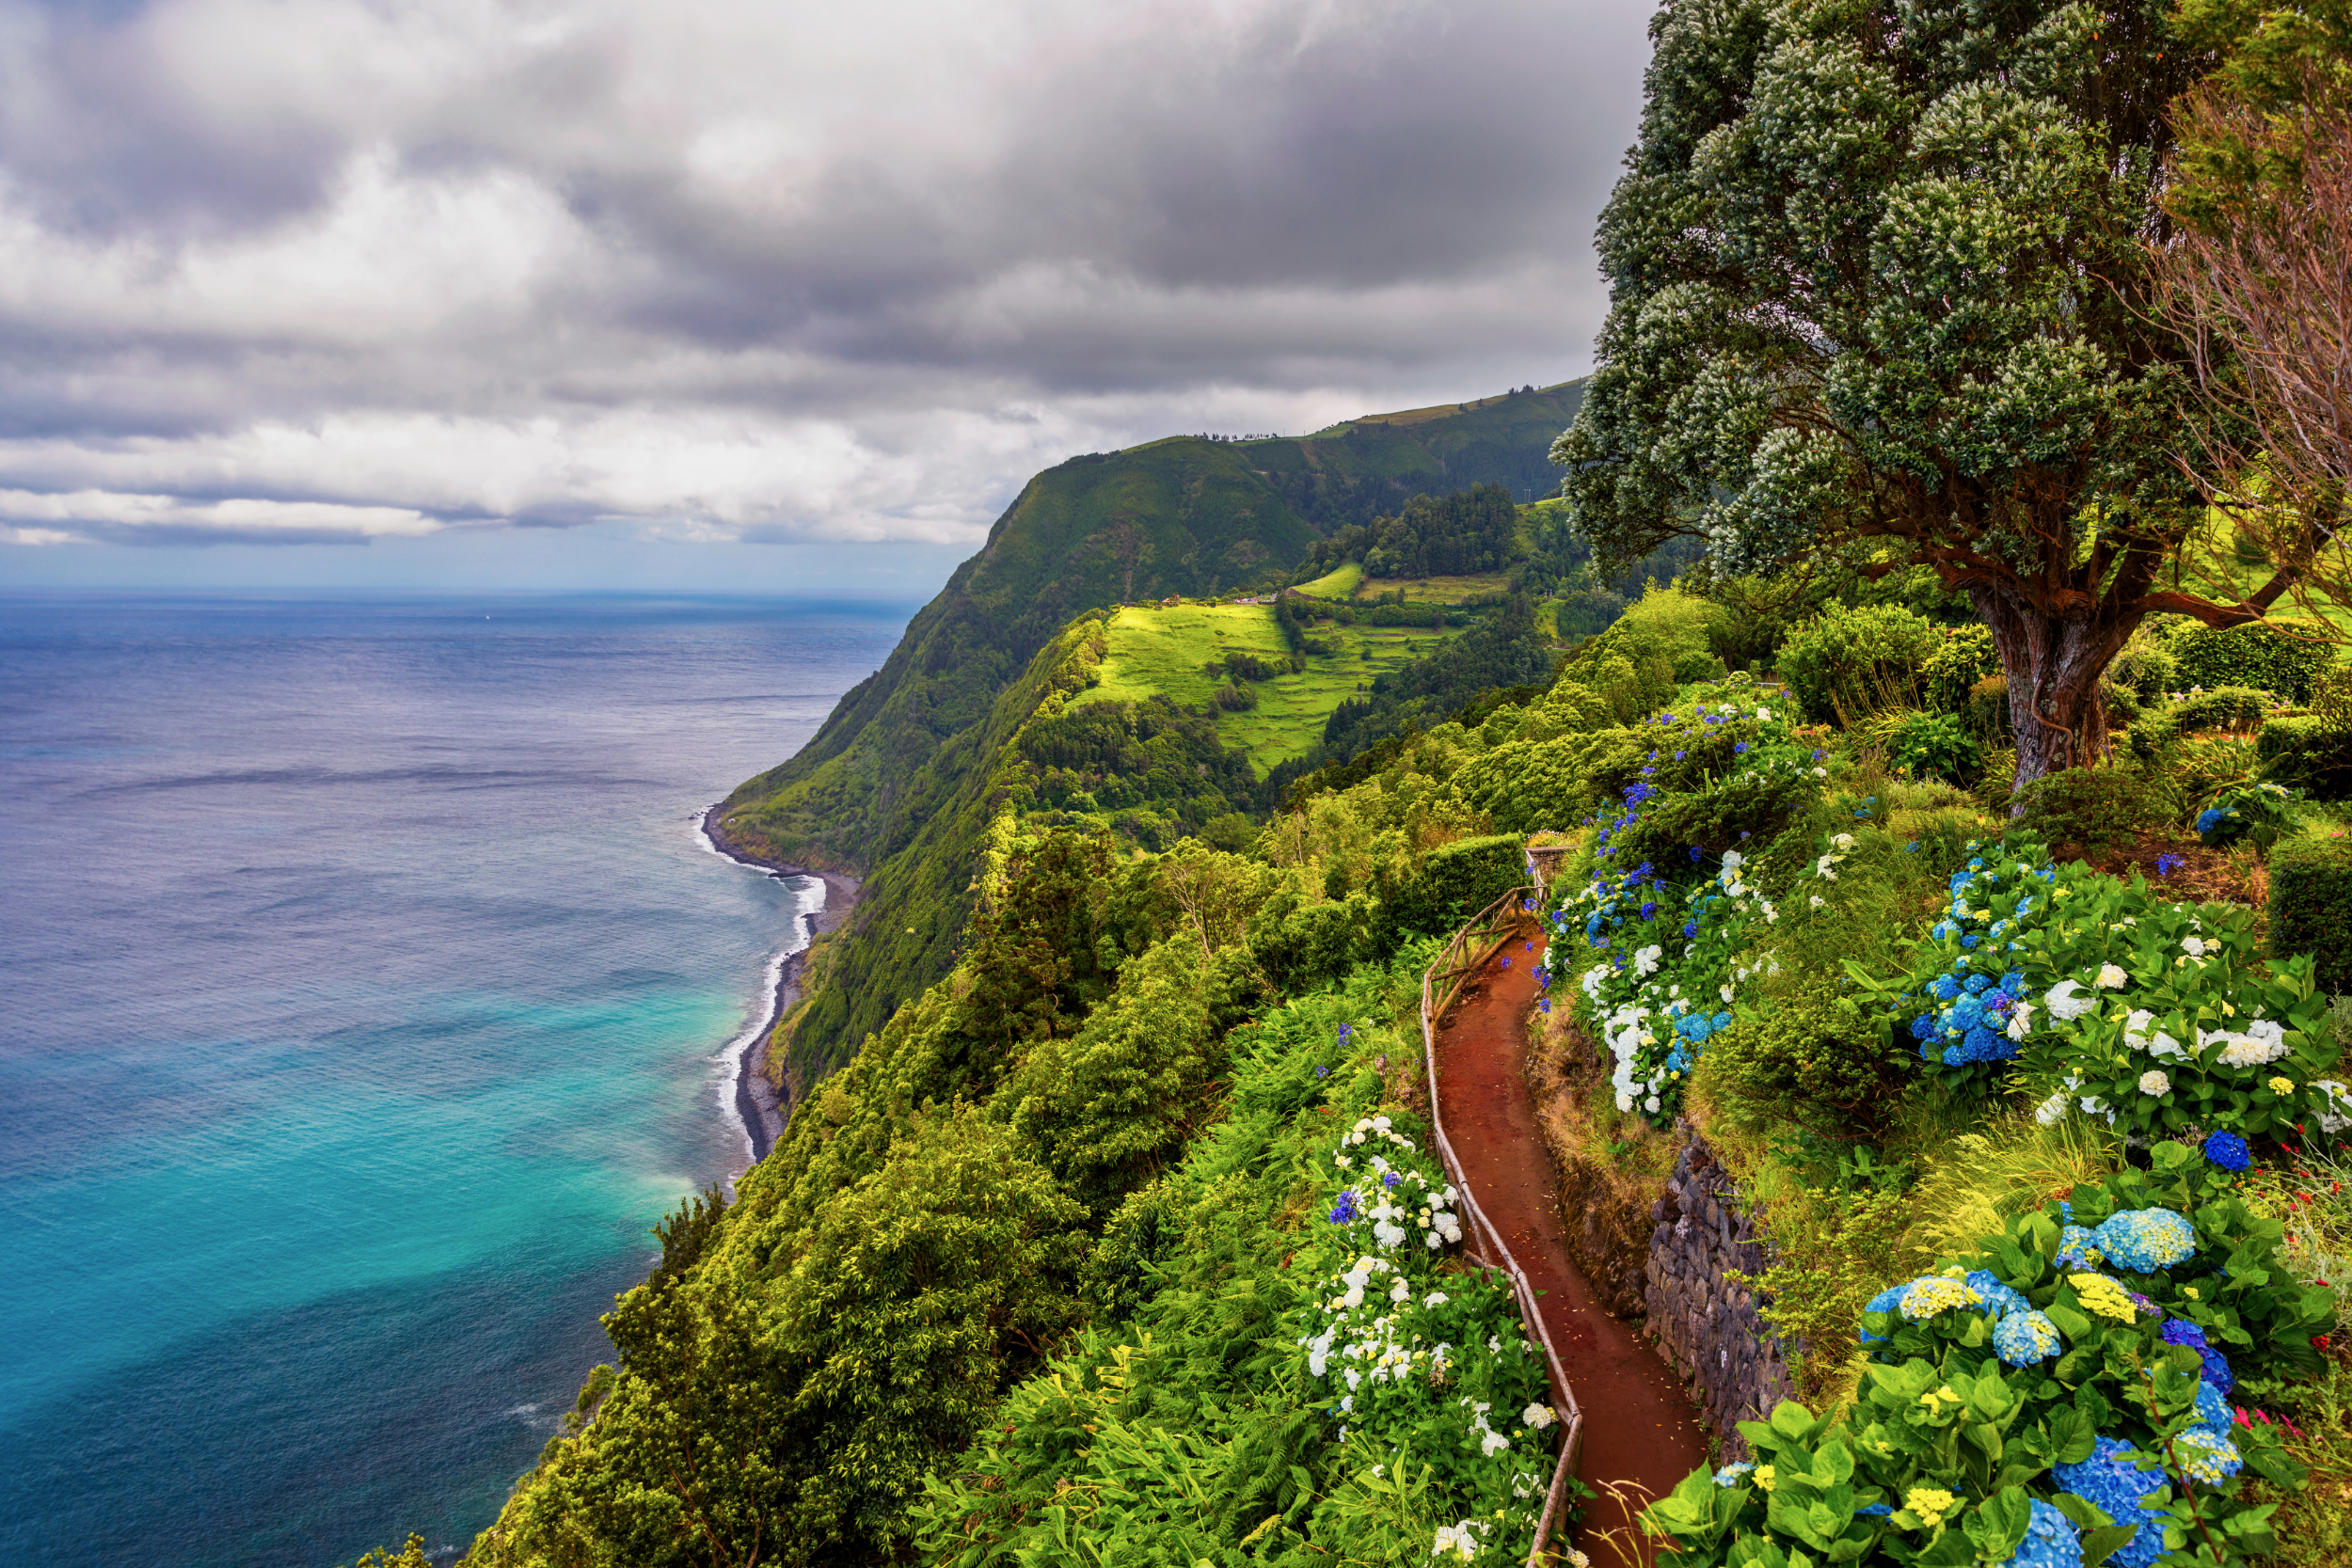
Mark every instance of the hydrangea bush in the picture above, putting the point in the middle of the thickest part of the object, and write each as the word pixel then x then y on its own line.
pixel 2060 1399
pixel 1424 1365
pixel 2160 1018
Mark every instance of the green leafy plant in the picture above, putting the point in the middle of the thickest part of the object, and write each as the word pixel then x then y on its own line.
pixel 1937 745
pixel 2310 906
pixel 1846 663
pixel 2257 814
pixel 2040 1392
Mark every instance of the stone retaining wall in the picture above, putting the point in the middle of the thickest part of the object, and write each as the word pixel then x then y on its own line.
pixel 1706 1327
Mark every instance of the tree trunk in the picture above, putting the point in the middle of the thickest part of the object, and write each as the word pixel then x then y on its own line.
pixel 2053 665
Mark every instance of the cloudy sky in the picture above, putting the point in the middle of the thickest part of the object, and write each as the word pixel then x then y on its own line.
pixel 742 292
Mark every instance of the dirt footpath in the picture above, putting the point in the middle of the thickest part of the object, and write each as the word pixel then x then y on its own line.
pixel 1638 1421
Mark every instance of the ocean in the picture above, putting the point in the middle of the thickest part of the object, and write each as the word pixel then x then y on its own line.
pixel 370 991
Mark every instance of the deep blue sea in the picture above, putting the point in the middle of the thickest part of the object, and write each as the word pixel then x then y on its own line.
pixel 369 995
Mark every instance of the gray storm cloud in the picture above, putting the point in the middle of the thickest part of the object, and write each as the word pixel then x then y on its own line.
pixel 330 270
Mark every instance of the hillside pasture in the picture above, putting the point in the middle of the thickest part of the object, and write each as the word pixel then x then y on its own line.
pixel 1340 584
pixel 1162 651
pixel 1434 590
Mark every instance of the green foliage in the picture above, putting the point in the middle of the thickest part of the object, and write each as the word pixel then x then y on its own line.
pixel 2255 655
pixel 2310 906
pixel 1201 1421
pixel 1797 355
pixel 1951 1439
pixel 1844 663
pixel 1965 656
pixel 1811 1061
pixel 2147 670
pixel 2305 751
pixel 2224 707
pixel 1937 745
pixel 1106 1107
pixel 1455 882
pixel 2094 808
pixel 1470 531
pixel 411 1556
pixel 2259 814
pixel 1833 1247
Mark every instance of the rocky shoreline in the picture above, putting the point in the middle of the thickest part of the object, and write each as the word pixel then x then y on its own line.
pixel 757 1099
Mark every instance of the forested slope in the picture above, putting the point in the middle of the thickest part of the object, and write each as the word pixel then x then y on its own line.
pixel 892 785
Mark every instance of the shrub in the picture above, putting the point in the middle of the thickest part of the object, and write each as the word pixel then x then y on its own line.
pixel 2256 655
pixel 1455 882
pixel 1844 663
pixel 2013 1383
pixel 2310 906
pixel 2094 807
pixel 2304 750
pixel 1235 697
pixel 2257 814
pixel 1937 745
pixel 2331 698
pixel 2146 669
pixel 1810 1061
pixel 2228 708
pixel 1965 657
pixel 1988 707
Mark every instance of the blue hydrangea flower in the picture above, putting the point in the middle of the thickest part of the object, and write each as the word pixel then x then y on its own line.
pixel 2110 1479
pixel 1732 1475
pixel 2078 1245
pixel 1689 930
pixel 1885 1301
pixel 2228 1150
pixel 2023 1339
pixel 2051 1541
pixel 2180 1331
pixel 2146 1240
pixel 2213 1411
pixel 1998 1298
pixel 1343 1212
pixel 2206 1456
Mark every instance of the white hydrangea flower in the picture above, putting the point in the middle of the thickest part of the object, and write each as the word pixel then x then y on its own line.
pixel 1734 860
pixel 1538 1416
pixel 2065 1004
pixel 1435 1298
pixel 2110 978
pixel 2049 1111
pixel 2020 1020
pixel 1843 841
pixel 2153 1081
pixel 1457 1539
pixel 1400 1292
pixel 2193 946
pixel 1645 961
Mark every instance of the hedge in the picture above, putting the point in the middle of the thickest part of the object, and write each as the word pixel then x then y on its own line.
pixel 2254 656
pixel 2310 906
pixel 1455 882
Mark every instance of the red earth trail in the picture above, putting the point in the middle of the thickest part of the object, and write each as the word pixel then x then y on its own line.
pixel 1639 1423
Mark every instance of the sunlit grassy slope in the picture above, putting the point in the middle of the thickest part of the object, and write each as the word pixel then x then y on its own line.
pixel 1163 651
pixel 1335 585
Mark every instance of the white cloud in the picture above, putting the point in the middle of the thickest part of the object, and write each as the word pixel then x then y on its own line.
pixel 339 269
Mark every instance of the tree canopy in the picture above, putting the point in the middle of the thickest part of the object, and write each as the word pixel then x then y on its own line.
pixel 1877 273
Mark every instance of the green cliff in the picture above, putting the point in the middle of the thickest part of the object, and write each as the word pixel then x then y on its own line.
pixel 894 786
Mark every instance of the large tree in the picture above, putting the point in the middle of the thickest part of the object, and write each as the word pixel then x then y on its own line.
pixel 1877 273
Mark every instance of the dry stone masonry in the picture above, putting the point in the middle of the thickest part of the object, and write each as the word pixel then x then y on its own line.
pixel 1706 1326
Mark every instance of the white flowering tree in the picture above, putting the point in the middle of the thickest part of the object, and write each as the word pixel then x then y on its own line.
pixel 1876 276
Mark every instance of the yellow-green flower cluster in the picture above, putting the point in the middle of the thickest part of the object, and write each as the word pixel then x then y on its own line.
pixel 2104 1296
pixel 1926 1297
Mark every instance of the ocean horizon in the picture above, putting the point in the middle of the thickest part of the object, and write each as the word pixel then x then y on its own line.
pixel 373 990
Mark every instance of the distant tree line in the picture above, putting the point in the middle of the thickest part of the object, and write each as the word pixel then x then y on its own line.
pixel 1462 534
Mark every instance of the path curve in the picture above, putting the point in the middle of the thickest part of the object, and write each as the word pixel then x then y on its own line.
pixel 1639 1423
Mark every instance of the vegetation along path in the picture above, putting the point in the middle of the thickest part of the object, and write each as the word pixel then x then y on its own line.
pixel 1639 1425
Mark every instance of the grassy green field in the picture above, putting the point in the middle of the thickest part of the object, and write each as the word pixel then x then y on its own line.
pixel 1162 651
pixel 1335 585
pixel 1434 590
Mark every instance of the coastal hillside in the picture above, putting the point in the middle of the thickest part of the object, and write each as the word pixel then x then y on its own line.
pixel 1125 1239
pixel 884 791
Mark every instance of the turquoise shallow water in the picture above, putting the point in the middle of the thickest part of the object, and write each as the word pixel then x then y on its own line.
pixel 368 990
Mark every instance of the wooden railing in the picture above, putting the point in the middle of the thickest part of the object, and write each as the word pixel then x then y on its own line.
pixel 1468 952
